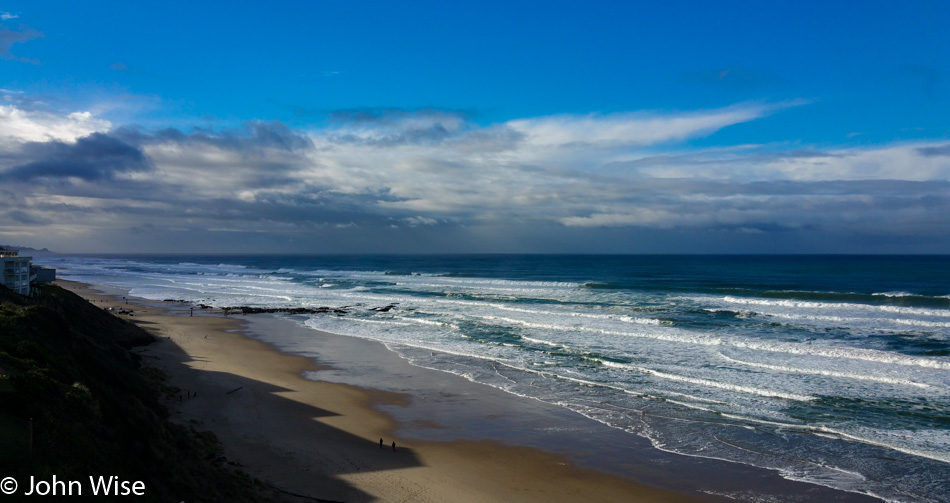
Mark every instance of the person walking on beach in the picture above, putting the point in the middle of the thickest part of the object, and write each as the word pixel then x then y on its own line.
pixel 380 443
pixel 394 446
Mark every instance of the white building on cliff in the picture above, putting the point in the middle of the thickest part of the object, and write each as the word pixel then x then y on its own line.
pixel 15 271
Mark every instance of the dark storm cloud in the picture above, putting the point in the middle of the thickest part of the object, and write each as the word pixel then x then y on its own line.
pixel 265 154
pixel 201 177
pixel 98 156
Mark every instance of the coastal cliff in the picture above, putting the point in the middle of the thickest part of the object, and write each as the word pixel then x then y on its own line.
pixel 75 403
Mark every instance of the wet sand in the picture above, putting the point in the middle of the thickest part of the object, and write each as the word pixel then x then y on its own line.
pixel 310 424
pixel 321 439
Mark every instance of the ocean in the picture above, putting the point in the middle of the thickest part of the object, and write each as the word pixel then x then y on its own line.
pixel 832 370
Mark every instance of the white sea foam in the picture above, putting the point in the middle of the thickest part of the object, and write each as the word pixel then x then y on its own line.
pixel 881 323
pixel 828 373
pixel 828 351
pixel 495 283
pixel 539 341
pixel 713 384
pixel 682 337
pixel 389 323
pixel 842 352
pixel 433 323
pixel 897 441
pixel 801 304
pixel 689 372
pixel 895 294
pixel 575 314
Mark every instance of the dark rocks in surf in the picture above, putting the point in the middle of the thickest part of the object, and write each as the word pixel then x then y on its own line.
pixel 284 310
pixel 384 309
pixel 339 311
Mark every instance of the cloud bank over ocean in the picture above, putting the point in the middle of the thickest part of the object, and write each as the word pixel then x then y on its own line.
pixel 437 180
pixel 485 126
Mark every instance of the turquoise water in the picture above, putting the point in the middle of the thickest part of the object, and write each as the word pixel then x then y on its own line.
pixel 833 370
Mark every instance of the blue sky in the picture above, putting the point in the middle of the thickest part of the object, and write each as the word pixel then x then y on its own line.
pixel 621 127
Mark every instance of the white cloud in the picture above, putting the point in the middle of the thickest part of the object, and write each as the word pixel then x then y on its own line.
pixel 900 161
pixel 640 217
pixel 18 125
pixel 421 169
pixel 419 220
pixel 548 168
pixel 631 129
pixel 891 162
pixel 7 16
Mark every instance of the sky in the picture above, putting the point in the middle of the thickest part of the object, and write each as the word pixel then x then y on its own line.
pixel 475 127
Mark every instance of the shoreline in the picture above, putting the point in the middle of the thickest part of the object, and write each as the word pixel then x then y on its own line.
pixel 320 439
pixel 463 441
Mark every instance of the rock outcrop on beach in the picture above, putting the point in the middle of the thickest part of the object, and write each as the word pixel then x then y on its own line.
pixel 75 402
pixel 339 311
pixel 287 310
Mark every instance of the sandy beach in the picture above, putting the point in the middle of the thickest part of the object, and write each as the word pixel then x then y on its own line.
pixel 310 422
pixel 321 439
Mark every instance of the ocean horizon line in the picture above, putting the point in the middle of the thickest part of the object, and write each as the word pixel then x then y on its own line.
pixel 477 254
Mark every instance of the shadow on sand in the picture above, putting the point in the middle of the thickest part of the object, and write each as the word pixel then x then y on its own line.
pixel 276 438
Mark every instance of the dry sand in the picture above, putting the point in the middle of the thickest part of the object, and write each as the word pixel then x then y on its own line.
pixel 321 439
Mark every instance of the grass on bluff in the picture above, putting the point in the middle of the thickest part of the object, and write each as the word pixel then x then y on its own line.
pixel 65 364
